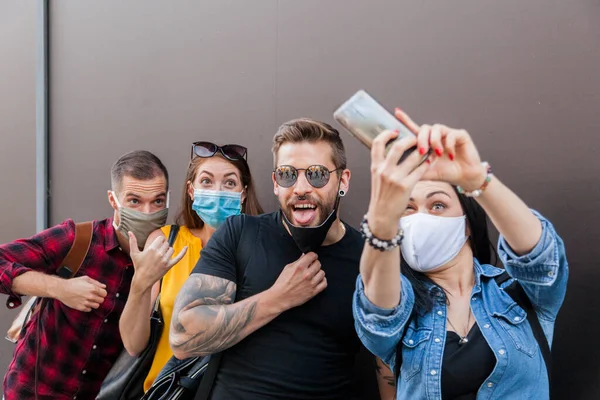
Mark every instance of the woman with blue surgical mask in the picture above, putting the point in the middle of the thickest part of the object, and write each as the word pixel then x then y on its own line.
pixel 429 301
pixel 218 185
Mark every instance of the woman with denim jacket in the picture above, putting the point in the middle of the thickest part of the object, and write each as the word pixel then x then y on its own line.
pixel 460 336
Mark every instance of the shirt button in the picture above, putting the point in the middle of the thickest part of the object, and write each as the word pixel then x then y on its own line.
pixel 118 295
pixel 517 319
pixel 490 384
pixel 411 341
pixel 551 274
pixel 120 249
pixel 94 347
pixel 487 326
pixel 440 313
pixel 501 352
pixel 11 304
pixel 84 372
pixel 437 340
pixel 106 320
pixel 433 372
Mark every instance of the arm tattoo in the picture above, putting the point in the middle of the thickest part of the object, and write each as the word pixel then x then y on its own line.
pixel 204 319
pixel 389 379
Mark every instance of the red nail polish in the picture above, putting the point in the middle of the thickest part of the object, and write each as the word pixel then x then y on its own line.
pixel 422 150
pixel 439 152
pixel 451 156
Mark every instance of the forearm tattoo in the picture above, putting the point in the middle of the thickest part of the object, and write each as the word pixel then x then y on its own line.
pixel 204 319
pixel 388 378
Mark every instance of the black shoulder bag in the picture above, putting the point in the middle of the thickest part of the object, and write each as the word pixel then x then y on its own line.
pixel 125 380
pixel 516 292
pixel 193 378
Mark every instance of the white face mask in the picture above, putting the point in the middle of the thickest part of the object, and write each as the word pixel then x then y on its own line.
pixel 431 241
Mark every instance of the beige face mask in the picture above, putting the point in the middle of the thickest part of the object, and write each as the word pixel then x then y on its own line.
pixel 139 223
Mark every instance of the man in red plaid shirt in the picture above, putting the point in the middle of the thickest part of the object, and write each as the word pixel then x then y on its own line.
pixel 79 336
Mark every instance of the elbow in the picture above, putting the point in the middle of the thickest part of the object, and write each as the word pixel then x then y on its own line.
pixel 134 347
pixel 132 353
pixel 132 350
pixel 179 354
pixel 177 346
pixel 182 349
pixel 182 354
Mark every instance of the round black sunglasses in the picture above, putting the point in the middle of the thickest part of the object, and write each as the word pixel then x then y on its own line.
pixel 316 175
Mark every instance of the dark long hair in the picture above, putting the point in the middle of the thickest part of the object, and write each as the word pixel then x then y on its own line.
pixel 188 217
pixel 479 240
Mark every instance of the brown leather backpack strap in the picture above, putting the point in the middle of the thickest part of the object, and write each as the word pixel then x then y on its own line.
pixel 79 248
pixel 67 269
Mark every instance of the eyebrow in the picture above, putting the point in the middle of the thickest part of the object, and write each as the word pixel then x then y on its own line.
pixel 209 173
pixel 433 194
pixel 137 196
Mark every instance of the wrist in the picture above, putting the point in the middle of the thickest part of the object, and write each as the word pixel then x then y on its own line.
pixel 272 302
pixel 57 287
pixel 139 286
pixel 477 183
pixel 379 243
pixel 383 227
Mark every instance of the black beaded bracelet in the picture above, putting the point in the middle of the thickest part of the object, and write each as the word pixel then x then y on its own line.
pixel 375 242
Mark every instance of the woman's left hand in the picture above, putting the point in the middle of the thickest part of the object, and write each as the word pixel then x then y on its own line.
pixel 454 158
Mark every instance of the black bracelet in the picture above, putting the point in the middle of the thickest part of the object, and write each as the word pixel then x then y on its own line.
pixel 380 244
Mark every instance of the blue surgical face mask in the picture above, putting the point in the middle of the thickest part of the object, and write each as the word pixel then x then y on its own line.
pixel 213 207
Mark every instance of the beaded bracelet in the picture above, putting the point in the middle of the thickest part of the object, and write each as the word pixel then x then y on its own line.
pixel 478 192
pixel 375 242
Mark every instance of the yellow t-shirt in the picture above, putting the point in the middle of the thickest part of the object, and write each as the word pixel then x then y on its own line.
pixel 171 284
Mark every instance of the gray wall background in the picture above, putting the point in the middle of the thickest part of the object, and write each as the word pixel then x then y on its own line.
pixel 17 136
pixel 521 77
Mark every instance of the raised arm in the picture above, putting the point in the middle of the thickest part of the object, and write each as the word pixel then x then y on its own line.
pixel 150 266
pixel 206 320
pixel 391 185
pixel 529 247
pixel 383 299
pixel 457 162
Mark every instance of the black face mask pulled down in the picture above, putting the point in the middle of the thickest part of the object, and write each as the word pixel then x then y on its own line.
pixel 310 238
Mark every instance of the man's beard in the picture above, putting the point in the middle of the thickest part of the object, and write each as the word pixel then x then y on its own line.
pixel 324 210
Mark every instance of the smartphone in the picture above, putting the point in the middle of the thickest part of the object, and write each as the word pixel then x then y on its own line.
pixel 365 118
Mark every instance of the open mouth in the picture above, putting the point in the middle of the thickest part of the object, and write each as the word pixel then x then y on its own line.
pixel 304 213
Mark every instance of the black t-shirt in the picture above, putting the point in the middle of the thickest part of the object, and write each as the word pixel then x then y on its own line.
pixel 306 352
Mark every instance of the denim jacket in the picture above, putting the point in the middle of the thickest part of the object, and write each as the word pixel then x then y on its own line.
pixel 520 371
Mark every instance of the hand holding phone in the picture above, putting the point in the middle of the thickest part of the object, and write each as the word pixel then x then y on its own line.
pixel 365 119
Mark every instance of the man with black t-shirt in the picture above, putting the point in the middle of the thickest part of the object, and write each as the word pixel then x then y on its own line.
pixel 290 332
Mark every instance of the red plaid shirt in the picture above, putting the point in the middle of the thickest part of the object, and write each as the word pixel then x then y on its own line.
pixel 76 349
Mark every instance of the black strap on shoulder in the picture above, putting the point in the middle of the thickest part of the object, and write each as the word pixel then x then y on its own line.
pixel 243 254
pixel 503 277
pixel 516 292
pixel 172 236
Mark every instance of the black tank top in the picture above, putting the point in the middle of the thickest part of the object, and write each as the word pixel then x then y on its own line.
pixel 465 366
